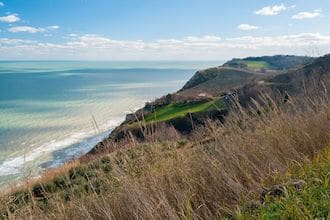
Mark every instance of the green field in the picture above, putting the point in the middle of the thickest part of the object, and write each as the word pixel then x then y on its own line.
pixel 174 110
pixel 256 65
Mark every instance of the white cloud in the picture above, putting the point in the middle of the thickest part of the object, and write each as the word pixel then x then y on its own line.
pixel 15 42
pixel 32 30
pixel 1 4
pixel 273 10
pixel 10 18
pixel 207 38
pixel 27 29
pixel 93 47
pixel 285 41
pixel 53 27
pixel 247 27
pixel 305 15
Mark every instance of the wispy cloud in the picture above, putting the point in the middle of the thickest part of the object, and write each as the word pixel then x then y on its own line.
pixel 273 10
pixel 27 29
pixel 192 47
pixel 206 38
pixel 32 30
pixel 1 4
pixel 11 18
pixel 15 42
pixel 306 15
pixel 247 27
pixel 53 27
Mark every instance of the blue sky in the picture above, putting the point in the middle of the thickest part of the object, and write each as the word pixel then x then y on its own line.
pixel 161 29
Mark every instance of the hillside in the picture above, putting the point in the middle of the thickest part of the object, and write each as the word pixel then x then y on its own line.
pixel 237 72
pixel 207 157
pixel 210 176
pixel 315 74
pixel 187 109
pixel 216 81
pixel 220 73
pixel 312 78
pixel 270 63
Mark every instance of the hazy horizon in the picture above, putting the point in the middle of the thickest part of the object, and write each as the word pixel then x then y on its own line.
pixel 154 30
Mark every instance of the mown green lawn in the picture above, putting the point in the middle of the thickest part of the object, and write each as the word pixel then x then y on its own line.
pixel 174 110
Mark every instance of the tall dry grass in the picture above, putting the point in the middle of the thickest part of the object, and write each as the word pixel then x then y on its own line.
pixel 205 177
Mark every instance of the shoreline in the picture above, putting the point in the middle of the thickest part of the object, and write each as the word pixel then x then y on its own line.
pixel 55 151
pixel 61 151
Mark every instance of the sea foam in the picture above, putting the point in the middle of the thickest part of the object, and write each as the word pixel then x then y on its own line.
pixel 72 146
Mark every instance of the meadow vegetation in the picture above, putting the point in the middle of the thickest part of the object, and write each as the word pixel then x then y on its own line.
pixel 174 110
pixel 310 201
pixel 212 174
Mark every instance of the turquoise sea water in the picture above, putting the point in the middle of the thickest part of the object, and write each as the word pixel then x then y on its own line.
pixel 48 109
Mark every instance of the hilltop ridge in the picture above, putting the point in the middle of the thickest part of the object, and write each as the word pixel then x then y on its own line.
pixel 264 63
pixel 238 72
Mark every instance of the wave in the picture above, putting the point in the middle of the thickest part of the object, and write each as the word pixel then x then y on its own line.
pixel 71 146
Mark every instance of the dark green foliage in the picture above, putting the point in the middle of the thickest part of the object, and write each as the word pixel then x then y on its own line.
pixel 61 181
pixel 21 197
pixel 38 190
pixel 106 164
pixel 82 171
pixel 43 204
pixel 50 187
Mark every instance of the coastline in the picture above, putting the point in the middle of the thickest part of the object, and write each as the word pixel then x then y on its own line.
pixel 61 151
pixel 49 128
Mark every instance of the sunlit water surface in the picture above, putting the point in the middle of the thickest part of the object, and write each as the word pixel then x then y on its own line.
pixel 48 110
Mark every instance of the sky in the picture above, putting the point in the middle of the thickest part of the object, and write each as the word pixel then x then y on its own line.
pixel 161 29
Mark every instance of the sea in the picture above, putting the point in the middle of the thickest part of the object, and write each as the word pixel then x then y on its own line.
pixel 55 111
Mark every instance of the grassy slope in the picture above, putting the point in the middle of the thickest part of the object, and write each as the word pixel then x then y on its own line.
pixel 314 76
pixel 202 178
pixel 311 202
pixel 216 81
pixel 223 75
pixel 174 110
pixel 238 72
pixel 278 62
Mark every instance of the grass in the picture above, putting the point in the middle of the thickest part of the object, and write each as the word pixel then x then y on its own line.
pixel 215 81
pixel 174 110
pixel 204 177
pixel 310 202
pixel 256 65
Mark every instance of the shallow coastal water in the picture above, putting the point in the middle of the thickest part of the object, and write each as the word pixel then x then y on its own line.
pixel 51 112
